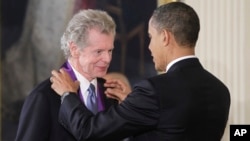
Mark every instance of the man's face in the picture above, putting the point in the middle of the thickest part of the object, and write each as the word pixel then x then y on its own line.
pixel 93 60
pixel 156 47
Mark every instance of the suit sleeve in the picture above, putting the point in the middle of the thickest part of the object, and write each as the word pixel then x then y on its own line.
pixel 33 122
pixel 139 112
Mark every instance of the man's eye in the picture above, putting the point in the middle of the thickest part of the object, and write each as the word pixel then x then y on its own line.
pixel 110 51
pixel 98 51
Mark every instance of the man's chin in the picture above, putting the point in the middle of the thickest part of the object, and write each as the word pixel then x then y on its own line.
pixel 159 69
pixel 101 74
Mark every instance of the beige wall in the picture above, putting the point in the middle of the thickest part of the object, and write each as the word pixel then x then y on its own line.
pixel 247 7
pixel 160 2
pixel 223 48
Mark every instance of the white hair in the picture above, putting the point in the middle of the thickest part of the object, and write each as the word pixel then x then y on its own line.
pixel 81 23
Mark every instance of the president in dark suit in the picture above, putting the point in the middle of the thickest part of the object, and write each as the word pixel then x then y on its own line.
pixel 186 103
pixel 87 44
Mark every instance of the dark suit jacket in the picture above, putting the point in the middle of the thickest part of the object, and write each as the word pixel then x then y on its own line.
pixel 39 116
pixel 185 104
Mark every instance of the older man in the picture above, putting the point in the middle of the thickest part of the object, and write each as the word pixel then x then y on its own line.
pixel 88 45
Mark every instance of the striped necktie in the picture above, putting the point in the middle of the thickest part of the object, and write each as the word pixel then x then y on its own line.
pixel 91 99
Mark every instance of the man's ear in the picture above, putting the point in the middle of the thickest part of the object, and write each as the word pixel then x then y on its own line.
pixel 165 37
pixel 74 51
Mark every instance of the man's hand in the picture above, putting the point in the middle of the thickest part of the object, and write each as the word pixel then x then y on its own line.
pixel 62 82
pixel 116 89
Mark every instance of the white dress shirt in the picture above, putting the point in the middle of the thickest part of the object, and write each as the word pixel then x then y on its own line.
pixel 84 84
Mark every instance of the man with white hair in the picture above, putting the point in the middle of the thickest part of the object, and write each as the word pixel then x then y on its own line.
pixel 87 43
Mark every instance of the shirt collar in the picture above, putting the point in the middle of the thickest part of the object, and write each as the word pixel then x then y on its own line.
pixel 84 83
pixel 177 60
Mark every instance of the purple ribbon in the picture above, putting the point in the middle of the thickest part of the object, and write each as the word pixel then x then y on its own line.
pixel 67 67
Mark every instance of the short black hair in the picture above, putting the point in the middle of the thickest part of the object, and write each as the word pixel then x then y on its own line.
pixel 180 19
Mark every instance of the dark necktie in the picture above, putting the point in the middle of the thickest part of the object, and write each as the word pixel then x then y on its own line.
pixel 91 99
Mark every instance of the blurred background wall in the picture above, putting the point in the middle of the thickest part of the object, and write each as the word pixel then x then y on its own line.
pixel 30 47
pixel 223 48
pixel 30 37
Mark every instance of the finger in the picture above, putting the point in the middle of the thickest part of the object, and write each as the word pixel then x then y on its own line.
pixel 51 79
pixel 54 79
pixel 119 99
pixel 77 83
pixel 53 86
pixel 64 74
pixel 111 81
pixel 111 96
pixel 123 86
pixel 114 92
pixel 54 73
pixel 111 85
pixel 63 71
